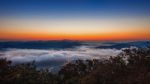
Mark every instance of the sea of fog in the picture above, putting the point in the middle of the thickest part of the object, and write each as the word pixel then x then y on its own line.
pixel 54 55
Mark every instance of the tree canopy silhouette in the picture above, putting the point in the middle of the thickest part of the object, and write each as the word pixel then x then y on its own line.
pixel 130 67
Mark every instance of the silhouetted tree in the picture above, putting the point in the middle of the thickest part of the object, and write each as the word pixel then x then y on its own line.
pixel 130 67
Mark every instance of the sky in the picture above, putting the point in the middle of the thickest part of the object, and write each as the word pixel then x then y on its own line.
pixel 74 19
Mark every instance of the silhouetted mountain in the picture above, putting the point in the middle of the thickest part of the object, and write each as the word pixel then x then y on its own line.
pixel 139 44
pixel 39 44
pixel 63 44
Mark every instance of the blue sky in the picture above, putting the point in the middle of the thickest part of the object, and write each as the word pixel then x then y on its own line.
pixel 62 8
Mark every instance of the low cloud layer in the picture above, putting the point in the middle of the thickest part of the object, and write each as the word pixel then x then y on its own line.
pixel 55 58
pixel 56 53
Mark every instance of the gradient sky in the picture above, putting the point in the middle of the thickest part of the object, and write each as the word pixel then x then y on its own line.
pixel 75 19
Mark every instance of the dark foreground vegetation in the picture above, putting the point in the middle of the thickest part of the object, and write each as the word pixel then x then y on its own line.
pixel 130 67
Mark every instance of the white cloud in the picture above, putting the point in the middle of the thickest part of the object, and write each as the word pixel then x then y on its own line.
pixel 28 55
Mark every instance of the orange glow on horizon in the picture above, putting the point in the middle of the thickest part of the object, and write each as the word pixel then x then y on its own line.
pixel 75 29
pixel 96 36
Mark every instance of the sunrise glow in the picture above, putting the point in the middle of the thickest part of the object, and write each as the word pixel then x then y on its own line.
pixel 42 23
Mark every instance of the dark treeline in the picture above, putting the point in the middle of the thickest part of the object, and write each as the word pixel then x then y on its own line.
pixel 130 67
